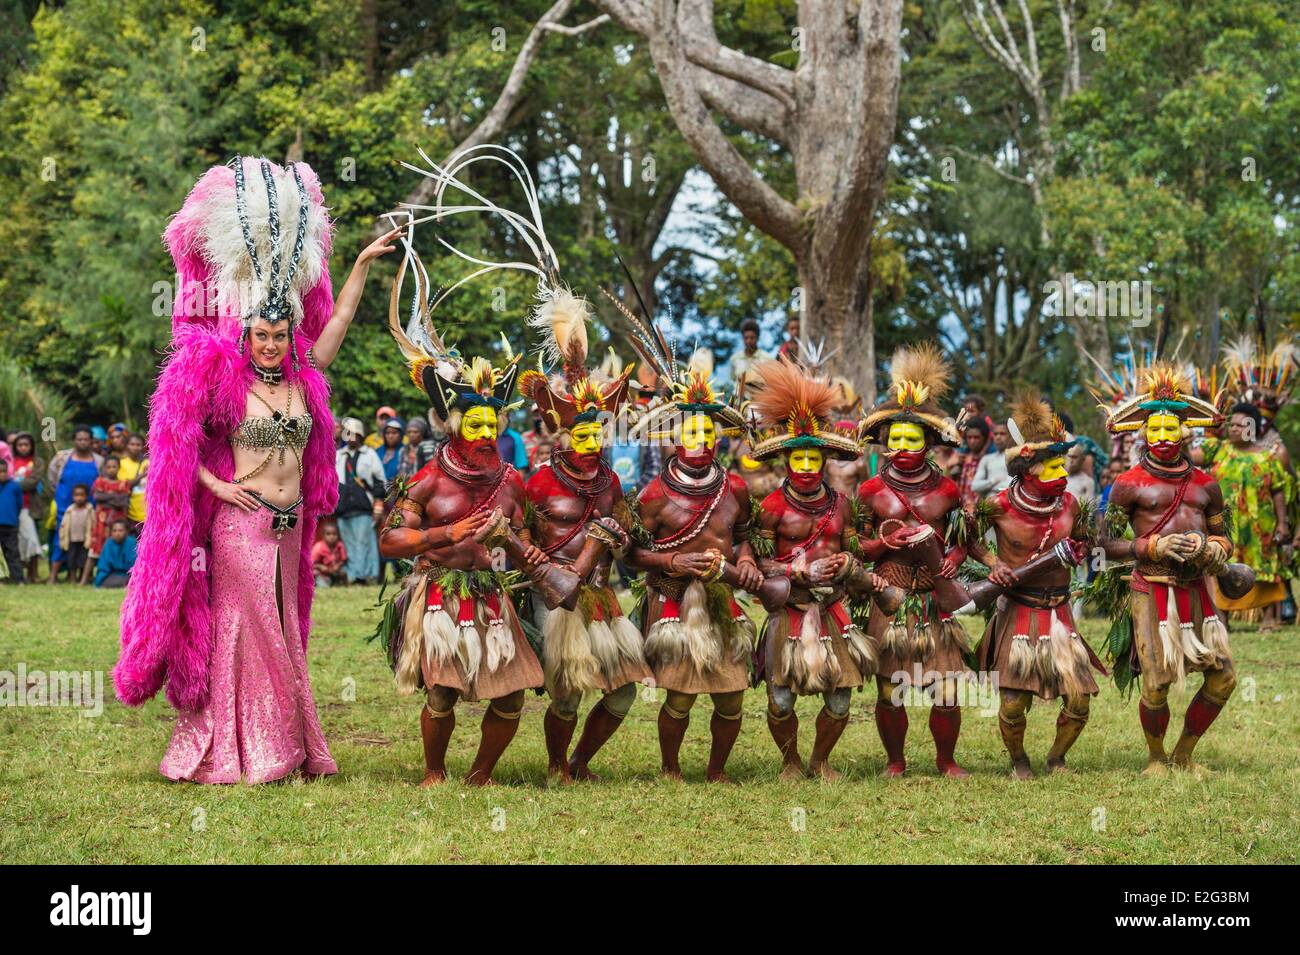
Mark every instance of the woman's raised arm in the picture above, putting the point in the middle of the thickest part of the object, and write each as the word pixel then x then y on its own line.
pixel 345 306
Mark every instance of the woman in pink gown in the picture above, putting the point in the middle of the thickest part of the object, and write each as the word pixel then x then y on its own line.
pixel 242 466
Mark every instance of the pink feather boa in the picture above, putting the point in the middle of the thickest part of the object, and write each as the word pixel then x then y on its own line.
pixel 200 400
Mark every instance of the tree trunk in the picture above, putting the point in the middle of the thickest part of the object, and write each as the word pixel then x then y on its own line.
pixel 836 300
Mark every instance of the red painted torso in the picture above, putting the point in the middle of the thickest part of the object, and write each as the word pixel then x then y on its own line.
pixel 1022 536
pixel 557 508
pixel 885 510
pixel 1147 497
pixel 447 500
pixel 792 526
pixel 665 512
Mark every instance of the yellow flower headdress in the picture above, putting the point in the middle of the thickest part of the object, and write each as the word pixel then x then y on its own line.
pixel 918 382
pixel 795 408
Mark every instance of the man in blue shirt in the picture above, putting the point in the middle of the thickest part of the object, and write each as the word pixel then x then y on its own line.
pixel 117 558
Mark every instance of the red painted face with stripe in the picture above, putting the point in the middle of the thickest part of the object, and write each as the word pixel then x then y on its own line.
pixel 804 469
pixel 1047 478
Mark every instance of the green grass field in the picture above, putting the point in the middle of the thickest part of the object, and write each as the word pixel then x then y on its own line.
pixel 77 789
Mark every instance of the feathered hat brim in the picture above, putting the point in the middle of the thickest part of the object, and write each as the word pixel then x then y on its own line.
pixel 943 430
pixel 658 420
pixel 830 443
pixel 1133 412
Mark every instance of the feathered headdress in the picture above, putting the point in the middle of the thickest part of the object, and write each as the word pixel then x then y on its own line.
pixel 691 387
pixel 797 407
pixel 1036 433
pixel 451 382
pixel 1266 380
pixel 562 318
pixel 1163 389
pixel 253 241
pixel 918 381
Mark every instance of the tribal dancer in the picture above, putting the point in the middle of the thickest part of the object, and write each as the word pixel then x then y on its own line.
pixel 913 533
pixel 845 474
pixel 808 535
pixel 692 538
pixel 1176 513
pixel 577 515
pixel 1032 644
pixel 453 629
pixel 457 634
pixel 242 467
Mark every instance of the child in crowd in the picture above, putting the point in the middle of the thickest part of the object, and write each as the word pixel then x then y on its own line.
pixel 11 506
pixel 112 498
pixel 75 530
pixel 117 557
pixel 328 555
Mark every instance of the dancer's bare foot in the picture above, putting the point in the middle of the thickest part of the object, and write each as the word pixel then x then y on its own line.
pixel 792 772
pixel 823 771
pixel 672 772
pixel 479 779
pixel 1156 767
pixel 720 777
pixel 894 770
pixel 1195 770
pixel 1055 766
pixel 953 771
pixel 433 778
pixel 1020 769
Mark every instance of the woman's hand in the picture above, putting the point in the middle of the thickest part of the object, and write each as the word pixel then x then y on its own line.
pixel 331 337
pixel 381 246
pixel 234 494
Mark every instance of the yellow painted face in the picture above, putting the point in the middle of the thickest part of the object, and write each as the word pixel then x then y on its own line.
pixel 1164 427
pixel 906 436
pixel 1053 470
pixel 585 438
pixel 806 461
pixel 478 423
pixel 698 432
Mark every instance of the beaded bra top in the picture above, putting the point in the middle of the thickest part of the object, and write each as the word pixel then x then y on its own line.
pixel 273 433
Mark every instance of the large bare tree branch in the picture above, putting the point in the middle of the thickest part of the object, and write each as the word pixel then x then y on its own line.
pixel 579 29
pixel 497 119
pixel 747 107
pixel 700 41
pixel 1071 78
pixel 633 15
pixel 756 200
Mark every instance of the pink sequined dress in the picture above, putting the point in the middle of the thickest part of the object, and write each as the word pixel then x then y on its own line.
pixel 259 723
